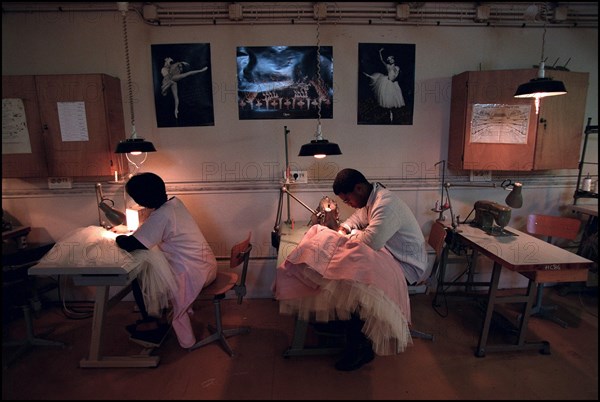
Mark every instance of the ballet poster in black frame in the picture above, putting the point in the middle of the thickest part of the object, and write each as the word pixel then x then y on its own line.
pixel 386 83
pixel 182 79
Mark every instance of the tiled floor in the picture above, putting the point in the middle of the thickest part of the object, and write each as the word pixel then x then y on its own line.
pixel 443 369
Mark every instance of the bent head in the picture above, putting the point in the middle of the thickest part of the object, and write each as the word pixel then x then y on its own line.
pixel 147 189
pixel 352 187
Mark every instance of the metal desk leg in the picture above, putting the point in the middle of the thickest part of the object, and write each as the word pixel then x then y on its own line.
pixel 527 312
pixel 98 322
pixel 95 358
pixel 485 329
pixel 528 299
pixel 298 348
pixel 470 274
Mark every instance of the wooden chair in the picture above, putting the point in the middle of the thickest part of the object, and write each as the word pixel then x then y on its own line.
pixel 436 240
pixel 217 290
pixel 551 227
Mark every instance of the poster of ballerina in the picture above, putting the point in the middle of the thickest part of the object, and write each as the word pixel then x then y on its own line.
pixel 282 82
pixel 386 83
pixel 182 82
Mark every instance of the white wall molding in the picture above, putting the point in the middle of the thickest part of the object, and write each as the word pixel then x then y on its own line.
pixel 251 186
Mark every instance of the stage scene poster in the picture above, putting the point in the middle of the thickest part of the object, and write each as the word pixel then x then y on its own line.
pixel 282 82
pixel 182 82
pixel 386 83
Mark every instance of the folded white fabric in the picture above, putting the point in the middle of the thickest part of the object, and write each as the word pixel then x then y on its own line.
pixel 94 246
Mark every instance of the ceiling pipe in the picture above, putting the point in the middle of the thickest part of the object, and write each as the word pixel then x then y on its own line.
pixel 501 14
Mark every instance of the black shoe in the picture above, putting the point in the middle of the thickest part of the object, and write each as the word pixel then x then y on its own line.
pixel 355 358
pixel 152 338
pixel 146 320
pixel 131 329
pixel 336 327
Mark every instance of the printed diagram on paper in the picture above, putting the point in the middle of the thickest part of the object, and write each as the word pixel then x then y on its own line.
pixel 15 135
pixel 500 124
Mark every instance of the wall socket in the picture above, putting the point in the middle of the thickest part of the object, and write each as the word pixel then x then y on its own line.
pixel 480 175
pixel 298 176
pixel 60 182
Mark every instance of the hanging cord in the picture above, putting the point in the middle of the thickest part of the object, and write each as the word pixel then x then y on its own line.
pixel 439 302
pixel 319 83
pixel 130 89
pixel 541 72
pixel 128 64
pixel 73 310
pixel 542 60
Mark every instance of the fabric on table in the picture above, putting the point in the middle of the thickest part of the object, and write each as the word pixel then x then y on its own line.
pixel 330 276
pixel 95 246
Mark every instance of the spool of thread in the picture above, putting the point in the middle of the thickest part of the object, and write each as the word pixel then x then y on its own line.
pixel 587 183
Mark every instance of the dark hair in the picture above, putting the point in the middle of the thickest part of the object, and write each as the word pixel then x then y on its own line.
pixel 147 189
pixel 346 180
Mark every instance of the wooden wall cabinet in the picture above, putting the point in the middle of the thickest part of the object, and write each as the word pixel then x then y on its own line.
pixel 44 97
pixel 491 130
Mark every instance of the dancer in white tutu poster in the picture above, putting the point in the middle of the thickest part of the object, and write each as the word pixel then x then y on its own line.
pixel 386 84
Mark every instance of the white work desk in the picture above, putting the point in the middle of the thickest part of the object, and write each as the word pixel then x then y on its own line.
pixel 534 258
pixel 102 277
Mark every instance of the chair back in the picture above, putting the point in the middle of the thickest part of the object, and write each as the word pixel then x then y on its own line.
pixel 553 226
pixel 240 254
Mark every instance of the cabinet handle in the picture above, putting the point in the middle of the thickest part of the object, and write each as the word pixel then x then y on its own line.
pixel 543 121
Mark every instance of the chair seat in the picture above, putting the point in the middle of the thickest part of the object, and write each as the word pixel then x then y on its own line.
pixel 222 284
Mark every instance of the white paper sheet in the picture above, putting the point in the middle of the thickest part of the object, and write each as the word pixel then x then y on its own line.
pixel 73 124
pixel 15 135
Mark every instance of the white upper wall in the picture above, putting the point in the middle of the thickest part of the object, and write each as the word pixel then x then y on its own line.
pixel 52 43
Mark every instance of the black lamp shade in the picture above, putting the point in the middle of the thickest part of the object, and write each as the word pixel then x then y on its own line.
pixel 515 198
pixel 134 145
pixel 114 216
pixel 319 147
pixel 540 87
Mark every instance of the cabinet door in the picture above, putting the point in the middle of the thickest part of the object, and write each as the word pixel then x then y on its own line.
pixel 82 116
pixel 23 153
pixel 561 121
pixel 552 138
pixel 489 128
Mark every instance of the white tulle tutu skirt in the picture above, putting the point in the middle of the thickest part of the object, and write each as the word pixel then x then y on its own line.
pixel 328 277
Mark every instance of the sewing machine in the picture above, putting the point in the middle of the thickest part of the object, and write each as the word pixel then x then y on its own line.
pixel 492 217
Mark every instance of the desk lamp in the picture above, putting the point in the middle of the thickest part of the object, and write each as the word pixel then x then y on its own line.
pixel 276 233
pixel 114 216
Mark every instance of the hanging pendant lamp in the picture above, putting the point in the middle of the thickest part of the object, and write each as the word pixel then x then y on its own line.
pixel 319 147
pixel 132 145
pixel 541 86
